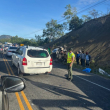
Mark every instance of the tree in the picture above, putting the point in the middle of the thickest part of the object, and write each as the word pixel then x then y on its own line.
pixel 38 37
pixel 69 13
pixel 75 23
pixel 89 18
pixel 53 29
pixel 86 18
pixel 94 13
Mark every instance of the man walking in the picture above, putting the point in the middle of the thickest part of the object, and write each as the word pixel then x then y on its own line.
pixel 70 60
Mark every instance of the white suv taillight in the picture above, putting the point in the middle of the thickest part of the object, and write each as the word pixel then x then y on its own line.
pixel 24 62
pixel 51 61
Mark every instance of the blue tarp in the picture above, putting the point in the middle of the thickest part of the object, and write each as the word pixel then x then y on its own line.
pixel 87 70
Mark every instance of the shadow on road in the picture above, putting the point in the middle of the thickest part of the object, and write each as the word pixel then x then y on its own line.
pixel 3 68
pixel 77 100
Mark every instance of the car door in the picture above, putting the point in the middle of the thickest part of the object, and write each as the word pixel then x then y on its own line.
pixel 15 57
pixel 20 56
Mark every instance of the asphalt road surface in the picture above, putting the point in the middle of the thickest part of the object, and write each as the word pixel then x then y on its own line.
pixel 87 91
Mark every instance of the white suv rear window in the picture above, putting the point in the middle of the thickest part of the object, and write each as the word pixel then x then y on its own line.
pixel 37 53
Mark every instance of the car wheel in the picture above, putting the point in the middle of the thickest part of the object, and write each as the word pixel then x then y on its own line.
pixel 47 73
pixel 19 72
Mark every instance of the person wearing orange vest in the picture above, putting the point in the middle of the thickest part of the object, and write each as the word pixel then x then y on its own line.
pixel 70 60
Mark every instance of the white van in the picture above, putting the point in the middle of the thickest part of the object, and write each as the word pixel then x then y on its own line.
pixel 32 60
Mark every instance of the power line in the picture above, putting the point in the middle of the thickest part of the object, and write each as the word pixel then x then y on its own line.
pixel 77 13
pixel 78 10
pixel 87 8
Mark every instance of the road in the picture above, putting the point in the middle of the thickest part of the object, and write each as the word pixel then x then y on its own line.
pixel 87 91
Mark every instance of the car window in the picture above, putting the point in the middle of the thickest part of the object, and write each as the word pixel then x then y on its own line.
pixel 37 53
pixel 21 51
pixel 13 48
pixel 18 51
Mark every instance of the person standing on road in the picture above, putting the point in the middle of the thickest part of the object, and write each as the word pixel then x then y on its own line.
pixel 88 58
pixel 70 60
pixel 80 52
pixel 83 57
pixel 77 58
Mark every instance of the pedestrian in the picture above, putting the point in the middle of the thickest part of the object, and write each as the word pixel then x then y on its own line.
pixel 80 52
pixel 70 60
pixel 83 57
pixel 88 58
pixel 77 58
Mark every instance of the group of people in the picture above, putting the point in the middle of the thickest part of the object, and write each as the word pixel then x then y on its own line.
pixel 83 58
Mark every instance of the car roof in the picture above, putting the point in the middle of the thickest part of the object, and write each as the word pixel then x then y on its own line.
pixel 35 48
pixel 32 47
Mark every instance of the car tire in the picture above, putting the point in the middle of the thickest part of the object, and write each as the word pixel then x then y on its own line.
pixel 47 73
pixel 19 72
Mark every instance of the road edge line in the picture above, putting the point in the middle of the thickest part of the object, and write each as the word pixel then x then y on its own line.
pixel 17 95
pixel 23 94
pixel 26 101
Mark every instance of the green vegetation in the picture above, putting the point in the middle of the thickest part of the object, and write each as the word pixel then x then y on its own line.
pixel 75 23
pixel 19 40
pixel 94 68
pixel 54 29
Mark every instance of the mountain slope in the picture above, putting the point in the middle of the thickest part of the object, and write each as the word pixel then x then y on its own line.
pixel 93 37
pixel 5 37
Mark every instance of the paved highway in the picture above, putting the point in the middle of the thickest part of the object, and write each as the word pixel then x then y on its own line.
pixel 54 92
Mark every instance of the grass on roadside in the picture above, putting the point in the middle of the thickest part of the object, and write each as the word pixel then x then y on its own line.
pixel 94 68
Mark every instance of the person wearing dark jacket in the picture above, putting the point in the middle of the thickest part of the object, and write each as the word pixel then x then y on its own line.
pixel 77 58
pixel 88 58
pixel 83 57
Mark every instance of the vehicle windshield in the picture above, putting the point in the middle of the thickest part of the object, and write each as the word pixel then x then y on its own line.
pixel 13 48
pixel 37 53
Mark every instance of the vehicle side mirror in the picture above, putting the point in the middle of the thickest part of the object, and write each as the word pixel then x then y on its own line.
pixel 12 83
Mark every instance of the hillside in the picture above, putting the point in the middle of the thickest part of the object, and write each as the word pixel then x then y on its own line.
pixel 93 37
pixel 5 37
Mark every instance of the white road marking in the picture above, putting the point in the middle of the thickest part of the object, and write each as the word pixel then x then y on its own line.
pixel 89 81
pixel 94 83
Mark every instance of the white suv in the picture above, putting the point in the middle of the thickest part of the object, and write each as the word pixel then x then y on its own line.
pixel 32 60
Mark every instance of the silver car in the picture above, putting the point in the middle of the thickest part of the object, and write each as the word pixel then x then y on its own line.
pixel 6 47
pixel 9 84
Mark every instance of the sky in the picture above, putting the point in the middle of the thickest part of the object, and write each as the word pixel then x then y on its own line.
pixel 26 17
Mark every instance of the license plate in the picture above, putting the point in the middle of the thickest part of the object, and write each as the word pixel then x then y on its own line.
pixel 39 64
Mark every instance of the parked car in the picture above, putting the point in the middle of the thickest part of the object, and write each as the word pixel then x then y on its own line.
pixel 55 50
pixel 9 84
pixel 11 50
pixel 32 60
pixel 6 47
